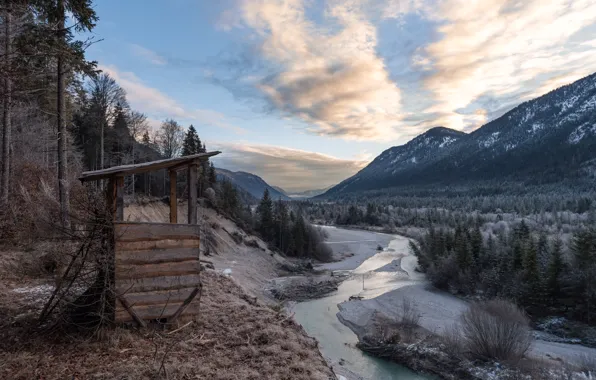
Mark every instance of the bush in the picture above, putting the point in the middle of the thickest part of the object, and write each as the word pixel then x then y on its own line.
pixel 410 315
pixel 496 330
pixel 453 340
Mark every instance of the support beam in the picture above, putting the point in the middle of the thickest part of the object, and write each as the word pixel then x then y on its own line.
pixel 173 198
pixel 119 199
pixel 192 194
pixel 132 312
pixel 111 197
pixel 186 302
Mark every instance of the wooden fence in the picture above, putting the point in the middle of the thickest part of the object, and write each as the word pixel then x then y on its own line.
pixel 157 270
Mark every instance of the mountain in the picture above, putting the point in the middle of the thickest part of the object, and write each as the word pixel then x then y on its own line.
pixel 549 139
pixel 280 190
pixel 251 183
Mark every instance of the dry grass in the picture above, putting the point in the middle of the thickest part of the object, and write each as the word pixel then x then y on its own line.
pixel 453 340
pixel 587 364
pixel 232 339
pixel 410 315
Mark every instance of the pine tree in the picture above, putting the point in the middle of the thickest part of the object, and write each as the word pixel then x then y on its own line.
pixel 229 202
pixel 476 245
pixel 121 141
pixel 299 236
pixel 212 175
pixel 583 247
pixel 265 212
pixel 191 144
pixel 535 290
pixel 462 250
pixel 556 267
pixel 282 233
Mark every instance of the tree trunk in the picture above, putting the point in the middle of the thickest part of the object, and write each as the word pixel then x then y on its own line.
pixel 7 108
pixel 62 137
pixel 101 146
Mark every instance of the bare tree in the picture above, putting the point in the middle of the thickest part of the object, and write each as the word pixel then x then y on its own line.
pixel 169 138
pixel 137 125
pixel 106 94
pixel 62 154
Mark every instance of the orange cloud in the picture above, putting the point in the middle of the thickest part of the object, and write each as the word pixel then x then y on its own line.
pixel 332 79
pixel 292 169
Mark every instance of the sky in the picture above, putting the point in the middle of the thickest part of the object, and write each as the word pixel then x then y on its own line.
pixel 305 93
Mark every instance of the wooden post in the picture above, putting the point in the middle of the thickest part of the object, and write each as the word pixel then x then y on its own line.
pixel 173 199
pixel 192 193
pixel 111 197
pixel 119 199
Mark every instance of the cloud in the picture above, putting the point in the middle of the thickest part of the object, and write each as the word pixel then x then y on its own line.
pixel 291 169
pixel 149 55
pixel 329 76
pixel 330 65
pixel 159 106
pixel 503 49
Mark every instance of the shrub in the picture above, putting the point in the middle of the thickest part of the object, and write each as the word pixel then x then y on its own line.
pixel 410 315
pixel 496 330
pixel 453 340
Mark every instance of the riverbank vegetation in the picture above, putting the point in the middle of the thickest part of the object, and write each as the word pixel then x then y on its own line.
pixel 542 273
pixel 489 341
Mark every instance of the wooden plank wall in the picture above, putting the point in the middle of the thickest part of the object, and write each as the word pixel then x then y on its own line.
pixel 157 269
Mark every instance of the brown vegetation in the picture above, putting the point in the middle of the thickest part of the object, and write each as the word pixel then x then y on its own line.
pixel 231 339
pixel 496 330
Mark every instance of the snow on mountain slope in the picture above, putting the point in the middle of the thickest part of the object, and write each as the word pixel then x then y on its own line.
pixel 543 140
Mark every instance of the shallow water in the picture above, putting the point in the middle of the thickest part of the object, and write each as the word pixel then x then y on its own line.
pixel 336 340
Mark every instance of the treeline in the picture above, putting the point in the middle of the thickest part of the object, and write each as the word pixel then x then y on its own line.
pixel 61 116
pixel 283 228
pixel 109 133
pixel 393 219
pixel 542 274
pixel 485 198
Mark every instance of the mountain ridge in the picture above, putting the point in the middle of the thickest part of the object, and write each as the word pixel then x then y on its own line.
pixel 543 140
pixel 251 183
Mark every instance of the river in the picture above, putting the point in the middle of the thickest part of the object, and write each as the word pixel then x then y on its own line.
pixel 318 317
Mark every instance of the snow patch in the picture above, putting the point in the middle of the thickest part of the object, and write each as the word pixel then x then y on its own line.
pixel 580 132
pixel 529 114
pixel 413 160
pixel 509 146
pixel 490 140
pixel 568 103
pixel 536 127
pixel 588 105
pixel 446 141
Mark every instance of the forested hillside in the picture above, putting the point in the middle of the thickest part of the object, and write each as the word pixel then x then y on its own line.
pixel 250 183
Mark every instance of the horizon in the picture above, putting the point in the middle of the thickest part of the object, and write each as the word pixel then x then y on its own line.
pixel 304 94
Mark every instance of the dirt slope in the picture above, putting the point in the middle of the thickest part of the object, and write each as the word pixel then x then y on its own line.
pixel 247 260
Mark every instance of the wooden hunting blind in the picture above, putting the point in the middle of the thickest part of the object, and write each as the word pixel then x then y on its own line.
pixel 156 265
